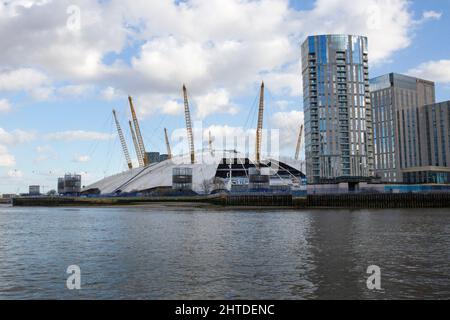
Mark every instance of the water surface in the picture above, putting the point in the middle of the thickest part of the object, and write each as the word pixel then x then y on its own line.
pixel 194 253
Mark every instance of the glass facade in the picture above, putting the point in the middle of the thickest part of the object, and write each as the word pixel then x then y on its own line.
pixel 397 101
pixel 427 177
pixel 434 127
pixel 337 106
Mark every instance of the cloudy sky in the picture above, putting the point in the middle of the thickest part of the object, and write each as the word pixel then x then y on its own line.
pixel 65 64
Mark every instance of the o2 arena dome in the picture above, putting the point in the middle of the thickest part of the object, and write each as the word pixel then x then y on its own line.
pixel 199 172
pixel 212 171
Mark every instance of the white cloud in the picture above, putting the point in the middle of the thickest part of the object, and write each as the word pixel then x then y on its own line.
pixel 285 83
pixel 233 45
pixel 431 15
pixel 45 153
pixel 289 125
pixel 282 104
pixel 44 149
pixel 210 45
pixel 173 107
pixel 12 138
pixel 215 102
pixel 110 94
pixel 23 79
pixel 41 158
pixel 73 90
pixel 81 159
pixel 219 48
pixel 16 137
pixel 5 106
pixel 6 159
pixel 151 103
pixel 387 23
pixel 438 71
pixel 50 44
pixel 42 93
pixel 79 135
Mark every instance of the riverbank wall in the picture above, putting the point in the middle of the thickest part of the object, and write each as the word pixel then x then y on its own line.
pixel 111 201
pixel 350 201
pixel 379 201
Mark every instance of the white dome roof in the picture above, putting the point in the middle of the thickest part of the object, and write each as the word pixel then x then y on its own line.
pixel 160 174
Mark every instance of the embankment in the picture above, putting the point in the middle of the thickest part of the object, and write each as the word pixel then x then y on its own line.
pixel 350 201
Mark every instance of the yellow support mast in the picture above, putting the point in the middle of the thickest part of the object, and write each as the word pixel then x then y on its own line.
pixel 299 143
pixel 210 142
pixel 137 130
pixel 122 141
pixel 190 134
pixel 136 146
pixel 169 150
pixel 260 126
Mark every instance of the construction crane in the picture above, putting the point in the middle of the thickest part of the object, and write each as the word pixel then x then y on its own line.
pixel 122 141
pixel 137 130
pixel 260 126
pixel 190 134
pixel 169 150
pixel 136 146
pixel 299 143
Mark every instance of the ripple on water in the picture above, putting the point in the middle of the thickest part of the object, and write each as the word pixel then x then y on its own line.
pixel 162 253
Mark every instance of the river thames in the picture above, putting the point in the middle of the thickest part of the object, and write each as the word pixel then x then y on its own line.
pixel 162 252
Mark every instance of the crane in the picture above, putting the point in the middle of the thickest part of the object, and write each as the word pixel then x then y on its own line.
pixel 137 130
pixel 136 146
pixel 299 143
pixel 190 134
pixel 169 150
pixel 260 125
pixel 122 141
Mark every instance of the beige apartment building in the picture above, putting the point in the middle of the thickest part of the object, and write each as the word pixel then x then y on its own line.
pixel 411 131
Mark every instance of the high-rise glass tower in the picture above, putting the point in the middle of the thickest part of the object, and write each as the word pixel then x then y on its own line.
pixel 338 115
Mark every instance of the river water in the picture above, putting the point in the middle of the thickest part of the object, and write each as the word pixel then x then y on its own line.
pixel 160 252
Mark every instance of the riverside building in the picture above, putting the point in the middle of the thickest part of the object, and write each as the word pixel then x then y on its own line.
pixel 337 106
pixel 411 131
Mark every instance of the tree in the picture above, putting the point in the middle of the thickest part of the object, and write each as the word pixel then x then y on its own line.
pixel 51 193
pixel 206 186
pixel 218 183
